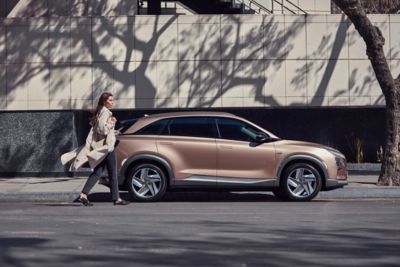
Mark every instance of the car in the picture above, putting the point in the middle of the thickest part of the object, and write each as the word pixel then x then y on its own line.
pixel 220 151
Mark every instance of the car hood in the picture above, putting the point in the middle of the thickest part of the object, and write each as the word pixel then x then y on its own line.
pixel 308 144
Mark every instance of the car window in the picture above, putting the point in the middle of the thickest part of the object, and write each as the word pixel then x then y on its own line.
pixel 237 130
pixel 192 126
pixel 154 128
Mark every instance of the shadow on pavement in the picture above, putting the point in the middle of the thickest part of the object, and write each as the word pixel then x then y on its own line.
pixel 197 197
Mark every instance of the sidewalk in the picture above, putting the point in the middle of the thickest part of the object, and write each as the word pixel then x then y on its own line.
pixel 68 188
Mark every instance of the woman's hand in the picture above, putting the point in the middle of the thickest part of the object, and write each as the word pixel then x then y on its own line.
pixel 113 119
pixel 117 132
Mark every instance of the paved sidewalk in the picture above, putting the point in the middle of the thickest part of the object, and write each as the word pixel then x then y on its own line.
pixel 68 188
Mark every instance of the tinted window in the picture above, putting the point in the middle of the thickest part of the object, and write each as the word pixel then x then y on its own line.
pixel 192 126
pixel 236 130
pixel 154 128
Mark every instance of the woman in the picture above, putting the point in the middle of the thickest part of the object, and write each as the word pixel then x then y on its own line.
pixel 103 132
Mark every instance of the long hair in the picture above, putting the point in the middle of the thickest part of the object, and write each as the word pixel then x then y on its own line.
pixel 95 113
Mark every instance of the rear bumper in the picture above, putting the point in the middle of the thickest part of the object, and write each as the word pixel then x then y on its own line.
pixel 333 184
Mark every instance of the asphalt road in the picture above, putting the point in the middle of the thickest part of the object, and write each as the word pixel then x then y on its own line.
pixel 202 232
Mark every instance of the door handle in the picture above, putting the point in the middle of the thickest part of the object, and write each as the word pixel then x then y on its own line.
pixel 226 147
pixel 166 143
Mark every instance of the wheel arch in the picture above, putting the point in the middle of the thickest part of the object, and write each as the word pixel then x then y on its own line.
pixel 315 162
pixel 133 161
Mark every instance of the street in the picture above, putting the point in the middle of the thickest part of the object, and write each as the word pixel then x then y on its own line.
pixel 225 231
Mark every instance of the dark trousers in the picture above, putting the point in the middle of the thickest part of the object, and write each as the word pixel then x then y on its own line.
pixel 109 162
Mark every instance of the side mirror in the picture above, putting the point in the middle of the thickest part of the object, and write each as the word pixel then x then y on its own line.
pixel 261 138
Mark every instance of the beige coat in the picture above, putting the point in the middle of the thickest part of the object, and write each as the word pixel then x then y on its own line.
pixel 99 142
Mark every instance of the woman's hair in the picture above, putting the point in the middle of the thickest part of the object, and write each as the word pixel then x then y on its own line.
pixel 95 113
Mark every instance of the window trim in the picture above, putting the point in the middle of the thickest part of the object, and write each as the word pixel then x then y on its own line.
pixel 159 131
pixel 235 119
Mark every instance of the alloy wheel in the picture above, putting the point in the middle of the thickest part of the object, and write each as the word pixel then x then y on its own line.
pixel 302 182
pixel 146 182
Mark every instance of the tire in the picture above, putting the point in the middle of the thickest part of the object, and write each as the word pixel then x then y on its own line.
pixel 300 182
pixel 279 194
pixel 146 183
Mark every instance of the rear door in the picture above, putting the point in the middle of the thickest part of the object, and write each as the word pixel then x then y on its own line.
pixel 190 146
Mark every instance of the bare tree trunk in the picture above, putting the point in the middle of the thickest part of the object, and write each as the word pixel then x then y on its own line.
pixel 390 172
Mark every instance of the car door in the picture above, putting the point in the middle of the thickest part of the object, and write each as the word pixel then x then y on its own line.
pixel 240 158
pixel 190 146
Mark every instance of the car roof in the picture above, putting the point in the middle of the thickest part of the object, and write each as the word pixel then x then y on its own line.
pixel 188 114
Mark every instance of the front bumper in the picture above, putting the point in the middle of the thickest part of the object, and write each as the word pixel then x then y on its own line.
pixel 333 184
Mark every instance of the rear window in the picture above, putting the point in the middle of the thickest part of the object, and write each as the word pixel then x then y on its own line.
pixel 192 126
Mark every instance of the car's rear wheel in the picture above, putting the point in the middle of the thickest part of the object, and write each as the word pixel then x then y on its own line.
pixel 300 182
pixel 146 182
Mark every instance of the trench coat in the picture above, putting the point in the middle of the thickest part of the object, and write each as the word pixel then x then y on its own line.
pixel 99 142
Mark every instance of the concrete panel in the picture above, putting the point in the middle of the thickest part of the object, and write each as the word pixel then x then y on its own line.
pixel 81 40
pixel 170 102
pixel 254 102
pixel 197 102
pixel 378 100
pixel 275 76
pixel 16 82
pixel 111 41
pixel 83 104
pixel 160 80
pixel 394 38
pixel 200 79
pixel 395 68
pixel 307 5
pixel 317 101
pixel 243 78
pixel 363 81
pixel 60 40
pixel 295 31
pixel 112 7
pixel 81 83
pixel 317 40
pixel 58 8
pixel 2 42
pixel 123 103
pixel 296 78
pixel 274 37
pixel 60 82
pixel 232 102
pixel 360 101
pixel 339 101
pixel 199 41
pixel 357 47
pixel 79 8
pixel 124 86
pixel 275 101
pixel 38 105
pixel 328 78
pixel 27 40
pixel 61 104
pixel 29 8
pixel 103 81
pixel 3 88
pixel 17 105
pixel 323 6
pixel 242 40
pixel 296 101
pixel 38 82
pixel 337 41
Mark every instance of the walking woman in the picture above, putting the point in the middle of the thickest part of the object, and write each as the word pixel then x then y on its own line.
pixel 99 151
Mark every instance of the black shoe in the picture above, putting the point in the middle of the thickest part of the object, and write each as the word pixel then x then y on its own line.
pixel 121 202
pixel 83 201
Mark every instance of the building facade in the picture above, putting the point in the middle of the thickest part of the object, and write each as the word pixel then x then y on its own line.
pixel 57 57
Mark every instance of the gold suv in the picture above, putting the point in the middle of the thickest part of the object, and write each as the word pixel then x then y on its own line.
pixel 217 150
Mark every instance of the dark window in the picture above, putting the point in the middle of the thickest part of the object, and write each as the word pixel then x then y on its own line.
pixel 192 126
pixel 154 128
pixel 237 130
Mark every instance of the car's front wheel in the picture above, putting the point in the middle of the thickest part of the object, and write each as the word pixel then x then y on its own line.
pixel 146 182
pixel 300 182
